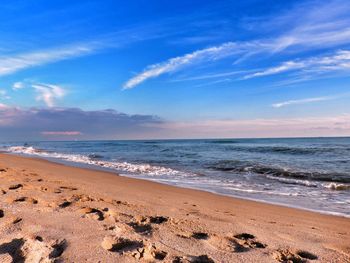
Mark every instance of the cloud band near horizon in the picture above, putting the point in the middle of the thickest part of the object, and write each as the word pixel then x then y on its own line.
pixel 73 123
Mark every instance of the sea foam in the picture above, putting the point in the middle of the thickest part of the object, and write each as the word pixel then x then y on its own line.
pixel 144 169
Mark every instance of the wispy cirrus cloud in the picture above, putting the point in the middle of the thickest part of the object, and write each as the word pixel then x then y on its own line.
pixel 308 26
pixel 338 61
pixel 12 63
pixel 213 75
pixel 173 64
pixel 285 66
pixel 48 93
pixel 301 101
pixel 309 100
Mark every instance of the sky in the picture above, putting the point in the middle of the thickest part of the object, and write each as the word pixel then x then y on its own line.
pixel 152 69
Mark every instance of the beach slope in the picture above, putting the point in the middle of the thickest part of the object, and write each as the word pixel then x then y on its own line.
pixel 56 213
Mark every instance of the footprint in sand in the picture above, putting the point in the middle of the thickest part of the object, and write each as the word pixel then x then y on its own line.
pixel 158 219
pixel 243 242
pixel 238 243
pixel 141 228
pixel 82 198
pixel 12 251
pixel 74 199
pixel 15 186
pixel 36 250
pixel 93 213
pixel 64 204
pixel 150 253
pixel 58 247
pixel 137 248
pixel 143 225
pixel 118 202
pixel 25 199
pixel 193 259
pixel 200 235
pixel 195 235
pixel 152 219
pixel 120 244
pixel 300 256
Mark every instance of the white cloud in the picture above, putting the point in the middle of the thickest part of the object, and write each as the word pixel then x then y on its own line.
pixel 48 93
pixel 301 101
pixel 338 61
pixel 14 63
pixel 285 66
pixel 309 100
pixel 173 64
pixel 18 85
pixel 213 76
pixel 308 26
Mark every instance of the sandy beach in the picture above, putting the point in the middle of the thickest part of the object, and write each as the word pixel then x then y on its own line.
pixel 54 213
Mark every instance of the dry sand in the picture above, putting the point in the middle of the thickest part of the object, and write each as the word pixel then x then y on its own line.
pixel 55 213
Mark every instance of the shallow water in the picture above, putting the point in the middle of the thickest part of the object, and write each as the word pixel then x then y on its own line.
pixel 310 173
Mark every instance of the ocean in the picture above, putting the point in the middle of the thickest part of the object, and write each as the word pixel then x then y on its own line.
pixel 308 173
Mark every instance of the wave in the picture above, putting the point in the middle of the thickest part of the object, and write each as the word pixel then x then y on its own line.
pixel 331 186
pixel 337 187
pixel 24 149
pixel 256 191
pixel 286 150
pixel 278 172
pixel 293 181
pixel 144 169
pixel 95 156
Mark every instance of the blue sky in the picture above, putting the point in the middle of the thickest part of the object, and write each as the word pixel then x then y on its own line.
pixel 180 69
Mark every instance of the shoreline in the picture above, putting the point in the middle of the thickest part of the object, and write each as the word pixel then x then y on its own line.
pixel 111 171
pixel 276 232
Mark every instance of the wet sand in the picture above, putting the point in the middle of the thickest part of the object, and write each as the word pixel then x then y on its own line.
pixel 56 213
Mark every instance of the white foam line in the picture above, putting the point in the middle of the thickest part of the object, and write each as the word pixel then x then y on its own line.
pixel 123 166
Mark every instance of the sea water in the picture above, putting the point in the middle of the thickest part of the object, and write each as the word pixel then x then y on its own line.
pixel 309 173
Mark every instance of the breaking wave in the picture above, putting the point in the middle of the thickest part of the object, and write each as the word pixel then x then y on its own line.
pixel 278 172
pixel 337 187
pixel 144 169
